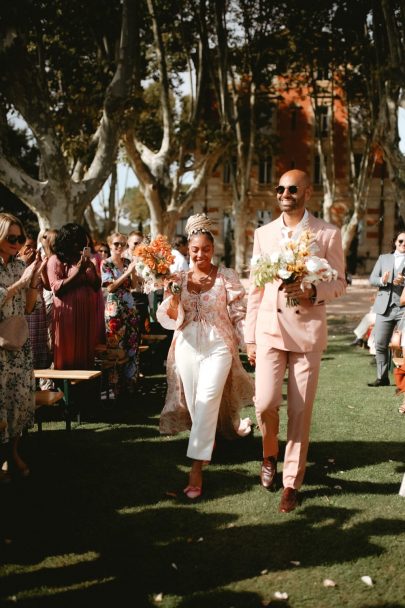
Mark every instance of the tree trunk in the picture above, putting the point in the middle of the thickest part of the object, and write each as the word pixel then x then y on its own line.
pixel 240 223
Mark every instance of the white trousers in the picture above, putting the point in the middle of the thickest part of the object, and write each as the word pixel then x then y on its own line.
pixel 203 362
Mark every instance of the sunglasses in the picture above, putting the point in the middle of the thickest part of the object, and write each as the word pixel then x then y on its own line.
pixel 291 189
pixel 119 244
pixel 13 239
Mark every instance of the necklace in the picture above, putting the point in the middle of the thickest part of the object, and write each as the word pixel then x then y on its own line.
pixel 206 277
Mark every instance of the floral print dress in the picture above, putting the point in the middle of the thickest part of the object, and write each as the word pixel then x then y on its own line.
pixel 122 321
pixel 17 382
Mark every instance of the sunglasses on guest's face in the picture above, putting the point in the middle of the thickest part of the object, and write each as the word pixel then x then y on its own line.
pixel 13 239
pixel 103 250
pixel 117 244
pixel 291 189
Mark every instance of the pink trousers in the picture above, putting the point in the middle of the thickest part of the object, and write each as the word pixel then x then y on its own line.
pixel 303 373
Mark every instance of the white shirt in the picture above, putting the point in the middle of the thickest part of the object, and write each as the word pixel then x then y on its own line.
pixel 180 263
pixel 288 232
pixel 399 258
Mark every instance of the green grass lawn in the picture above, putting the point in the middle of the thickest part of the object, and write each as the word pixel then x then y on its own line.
pixel 102 520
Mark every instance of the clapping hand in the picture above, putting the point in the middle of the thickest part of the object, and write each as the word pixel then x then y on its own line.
pixel 399 279
pixel 32 274
pixel 385 277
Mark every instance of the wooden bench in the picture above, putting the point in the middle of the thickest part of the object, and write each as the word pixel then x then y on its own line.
pixel 67 378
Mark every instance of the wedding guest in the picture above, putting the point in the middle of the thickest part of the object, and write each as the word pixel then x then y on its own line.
pixel 103 250
pixel 37 324
pixel 134 239
pixel 388 275
pixel 18 296
pixel 74 283
pixel 48 250
pixel 121 317
pixel 180 253
pixel 281 337
pixel 207 385
pixel 97 260
pixel 141 299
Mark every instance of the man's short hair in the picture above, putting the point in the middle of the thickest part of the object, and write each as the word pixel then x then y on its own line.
pixel 179 240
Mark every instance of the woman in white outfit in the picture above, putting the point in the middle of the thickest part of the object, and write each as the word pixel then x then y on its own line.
pixel 207 385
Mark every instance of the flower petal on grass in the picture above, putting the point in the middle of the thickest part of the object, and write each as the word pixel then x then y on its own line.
pixel 280 595
pixel 367 580
pixel 328 582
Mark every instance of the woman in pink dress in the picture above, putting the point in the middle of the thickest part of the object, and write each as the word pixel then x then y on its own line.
pixel 74 283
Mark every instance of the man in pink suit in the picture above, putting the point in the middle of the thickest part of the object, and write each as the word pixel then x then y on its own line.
pixel 279 337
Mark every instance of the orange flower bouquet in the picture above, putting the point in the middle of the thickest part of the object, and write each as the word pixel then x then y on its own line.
pixel 154 262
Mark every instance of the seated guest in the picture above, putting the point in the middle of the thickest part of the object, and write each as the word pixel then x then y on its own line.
pixel 74 283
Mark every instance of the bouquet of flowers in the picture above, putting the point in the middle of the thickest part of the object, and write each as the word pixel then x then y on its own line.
pixel 154 262
pixel 296 259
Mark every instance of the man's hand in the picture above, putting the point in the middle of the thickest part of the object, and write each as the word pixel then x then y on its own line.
pixel 294 290
pixel 399 279
pixel 385 277
pixel 251 353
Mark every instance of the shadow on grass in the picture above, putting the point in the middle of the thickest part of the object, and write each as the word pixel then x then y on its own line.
pixel 103 518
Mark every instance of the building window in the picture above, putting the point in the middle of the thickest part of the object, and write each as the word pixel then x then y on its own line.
pixel 323 73
pixel 321 128
pixel 265 167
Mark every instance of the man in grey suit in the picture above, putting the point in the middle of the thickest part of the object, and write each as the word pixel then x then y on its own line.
pixel 388 276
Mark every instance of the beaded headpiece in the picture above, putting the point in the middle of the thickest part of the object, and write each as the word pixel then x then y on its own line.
pixel 198 223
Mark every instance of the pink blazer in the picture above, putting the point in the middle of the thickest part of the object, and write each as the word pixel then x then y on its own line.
pixel 269 322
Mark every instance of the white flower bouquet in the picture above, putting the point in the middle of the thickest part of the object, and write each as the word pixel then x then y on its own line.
pixel 296 259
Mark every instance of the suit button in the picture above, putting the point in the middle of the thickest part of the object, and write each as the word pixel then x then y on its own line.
pixel 279 310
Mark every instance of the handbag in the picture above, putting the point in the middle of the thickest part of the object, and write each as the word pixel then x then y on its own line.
pixel 13 332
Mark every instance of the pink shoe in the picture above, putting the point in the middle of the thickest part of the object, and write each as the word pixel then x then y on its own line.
pixel 193 492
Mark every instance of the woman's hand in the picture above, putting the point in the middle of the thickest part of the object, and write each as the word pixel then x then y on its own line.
pixel 131 267
pixel 39 267
pixel 173 308
pixel 251 353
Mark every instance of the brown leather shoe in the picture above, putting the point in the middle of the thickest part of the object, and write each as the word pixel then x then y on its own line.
pixel 289 500
pixel 268 472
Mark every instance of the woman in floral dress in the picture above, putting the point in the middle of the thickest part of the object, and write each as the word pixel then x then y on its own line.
pixel 121 317
pixel 206 383
pixel 18 296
